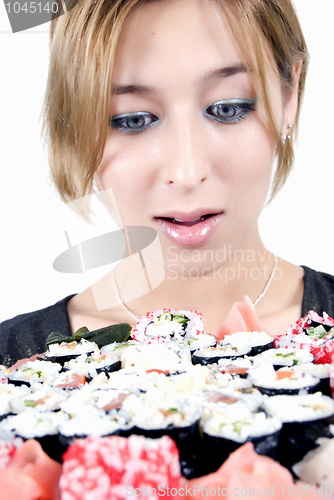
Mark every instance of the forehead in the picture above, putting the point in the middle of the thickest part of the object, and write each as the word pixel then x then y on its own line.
pixel 186 35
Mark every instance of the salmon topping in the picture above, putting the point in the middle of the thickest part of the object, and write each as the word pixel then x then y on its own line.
pixel 165 372
pixel 234 370
pixel 284 374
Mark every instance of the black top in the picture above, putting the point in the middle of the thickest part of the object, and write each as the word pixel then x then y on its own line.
pixel 25 335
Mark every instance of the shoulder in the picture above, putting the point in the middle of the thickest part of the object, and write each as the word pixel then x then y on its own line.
pixel 25 335
pixel 318 292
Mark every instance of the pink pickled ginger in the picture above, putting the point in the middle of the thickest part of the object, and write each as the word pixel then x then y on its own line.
pixel 242 318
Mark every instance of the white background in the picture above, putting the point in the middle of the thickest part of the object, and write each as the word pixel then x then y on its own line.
pixel 298 226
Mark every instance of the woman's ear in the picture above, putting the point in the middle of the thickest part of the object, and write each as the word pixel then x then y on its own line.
pixel 292 100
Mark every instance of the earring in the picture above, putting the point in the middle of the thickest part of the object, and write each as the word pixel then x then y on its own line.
pixel 284 136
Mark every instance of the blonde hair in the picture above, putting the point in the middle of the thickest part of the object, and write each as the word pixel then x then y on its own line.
pixel 83 47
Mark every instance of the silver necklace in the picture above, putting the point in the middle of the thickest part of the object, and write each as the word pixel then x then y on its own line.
pixel 262 294
pixel 268 283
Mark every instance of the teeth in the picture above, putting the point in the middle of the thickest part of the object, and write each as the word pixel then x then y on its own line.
pixel 188 223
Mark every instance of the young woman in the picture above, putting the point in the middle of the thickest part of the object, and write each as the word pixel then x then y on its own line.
pixel 186 112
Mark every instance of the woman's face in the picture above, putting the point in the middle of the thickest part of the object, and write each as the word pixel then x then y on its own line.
pixel 188 148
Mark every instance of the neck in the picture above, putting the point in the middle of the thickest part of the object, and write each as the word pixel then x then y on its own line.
pixel 206 286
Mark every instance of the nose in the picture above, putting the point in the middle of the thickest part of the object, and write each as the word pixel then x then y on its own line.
pixel 186 160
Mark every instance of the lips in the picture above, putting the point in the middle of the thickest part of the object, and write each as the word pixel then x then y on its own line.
pixel 192 229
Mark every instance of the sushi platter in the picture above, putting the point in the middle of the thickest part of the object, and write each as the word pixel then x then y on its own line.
pixel 167 377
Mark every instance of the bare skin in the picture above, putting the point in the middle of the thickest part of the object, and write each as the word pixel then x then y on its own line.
pixel 280 307
pixel 186 162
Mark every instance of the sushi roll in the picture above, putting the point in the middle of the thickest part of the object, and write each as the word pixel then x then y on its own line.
pixel 3 375
pixel 109 400
pixel 156 414
pixel 314 333
pixel 43 399
pixel 117 347
pixel 211 355
pixel 34 371
pixel 169 357
pixel 8 394
pixel 226 428
pixel 321 371
pixel 165 325
pixel 70 379
pixel 42 426
pixel 285 357
pixel 61 353
pixel 284 381
pixel 239 367
pixel 93 412
pixel 95 363
pixel 201 341
pixel 258 341
pixel 305 418
pixel 94 422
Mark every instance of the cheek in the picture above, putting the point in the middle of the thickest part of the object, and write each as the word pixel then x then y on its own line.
pixel 124 169
pixel 246 161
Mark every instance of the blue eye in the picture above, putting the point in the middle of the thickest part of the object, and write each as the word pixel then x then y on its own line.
pixel 230 110
pixel 133 123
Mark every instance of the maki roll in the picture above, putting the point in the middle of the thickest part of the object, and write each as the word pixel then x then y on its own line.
pixel 70 379
pixel 34 371
pixel 321 371
pixel 165 325
pixel 285 357
pixel 226 428
pixel 65 351
pixel 239 367
pixel 94 422
pixel 95 363
pixel 284 381
pixel 3 375
pixel 164 358
pixel 156 414
pixel 258 341
pixel 92 412
pixel 8 394
pixel 212 355
pixel 314 333
pixel 44 399
pixel 42 426
pixel 305 418
pixel 201 341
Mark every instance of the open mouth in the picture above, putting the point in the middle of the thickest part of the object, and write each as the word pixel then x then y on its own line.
pixel 187 223
pixel 189 229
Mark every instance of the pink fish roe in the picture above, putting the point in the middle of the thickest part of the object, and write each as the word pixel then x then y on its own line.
pixel 322 349
pixel 112 468
pixel 8 450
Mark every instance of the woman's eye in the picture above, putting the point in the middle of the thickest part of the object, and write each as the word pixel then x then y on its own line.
pixel 230 111
pixel 132 123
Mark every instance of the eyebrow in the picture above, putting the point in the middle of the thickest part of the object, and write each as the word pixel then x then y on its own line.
pixel 226 72
pixel 132 89
pixel 142 89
